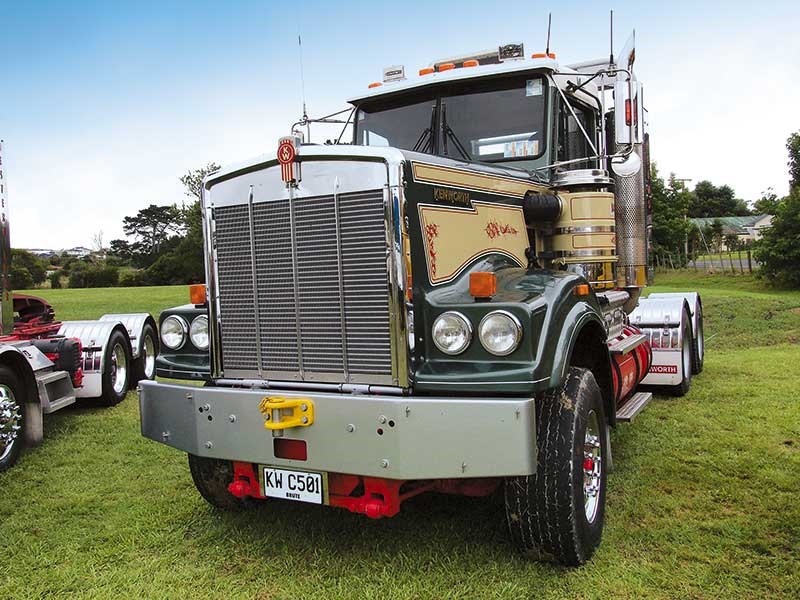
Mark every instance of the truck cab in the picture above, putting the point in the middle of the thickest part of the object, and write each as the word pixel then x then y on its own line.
pixel 444 304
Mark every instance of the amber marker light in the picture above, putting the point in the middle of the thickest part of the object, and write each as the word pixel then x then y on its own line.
pixel 471 63
pixel 482 284
pixel 447 67
pixel 375 84
pixel 544 55
pixel 582 289
pixel 427 71
pixel 197 293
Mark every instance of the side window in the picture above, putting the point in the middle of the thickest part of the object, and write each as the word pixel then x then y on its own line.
pixel 572 144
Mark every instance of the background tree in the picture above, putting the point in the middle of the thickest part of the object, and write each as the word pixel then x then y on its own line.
pixel 793 147
pixel 151 229
pixel 185 263
pixel 24 261
pixel 670 225
pixel 709 200
pixel 767 204
pixel 778 250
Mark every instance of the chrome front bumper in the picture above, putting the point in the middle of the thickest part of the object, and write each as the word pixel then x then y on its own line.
pixel 422 437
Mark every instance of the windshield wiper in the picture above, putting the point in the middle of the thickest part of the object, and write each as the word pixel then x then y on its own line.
pixel 425 142
pixel 449 133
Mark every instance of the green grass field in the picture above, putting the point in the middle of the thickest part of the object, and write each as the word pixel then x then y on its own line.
pixel 703 502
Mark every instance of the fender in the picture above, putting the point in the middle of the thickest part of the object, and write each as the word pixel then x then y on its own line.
pixel 32 408
pixel 134 323
pixel 94 336
pixel 662 319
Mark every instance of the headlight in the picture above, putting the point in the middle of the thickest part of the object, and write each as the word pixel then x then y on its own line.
pixel 500 332
pixel 198 332
pixel 452 332
pixel 173 332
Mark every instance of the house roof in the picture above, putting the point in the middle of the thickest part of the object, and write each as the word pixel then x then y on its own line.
pixel 736 225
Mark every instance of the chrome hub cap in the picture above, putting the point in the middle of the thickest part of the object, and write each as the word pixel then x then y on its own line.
pixel 10 419
pixel 149 358
pixel 592 467
pixel 119 369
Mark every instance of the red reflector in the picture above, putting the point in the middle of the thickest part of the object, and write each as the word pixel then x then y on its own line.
pixel 627 112
pixel 291 449
pixel 588 464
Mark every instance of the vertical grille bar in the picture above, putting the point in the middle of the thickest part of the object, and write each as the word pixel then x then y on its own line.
pixel 296 284
pixel 345 366
pixel 251 223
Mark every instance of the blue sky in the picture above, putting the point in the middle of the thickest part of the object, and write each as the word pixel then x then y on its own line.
pixel 103 105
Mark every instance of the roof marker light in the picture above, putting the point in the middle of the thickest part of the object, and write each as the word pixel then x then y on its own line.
pixel 427 71
pixel 471 63
pixel 447 67
pixel 375 84
pixel 551 55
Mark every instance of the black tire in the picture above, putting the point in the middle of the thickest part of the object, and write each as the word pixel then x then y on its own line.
pixel 211 477
pixel 698 345
pixel 547 512
pixel 686 358
pixel 118 350
pixel 12 424
pixel 142 369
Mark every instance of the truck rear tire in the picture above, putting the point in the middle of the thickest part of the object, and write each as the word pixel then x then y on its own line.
pixel 557 514
pixel 687 360
pixel 12 399
pixel 144 367
pixel 698 345
pixel 116 369
pixel 211 477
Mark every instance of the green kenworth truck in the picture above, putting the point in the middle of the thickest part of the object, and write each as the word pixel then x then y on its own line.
pixel 449 300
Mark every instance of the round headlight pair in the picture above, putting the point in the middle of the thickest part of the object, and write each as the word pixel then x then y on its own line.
pixel 500 332
pixel 174 330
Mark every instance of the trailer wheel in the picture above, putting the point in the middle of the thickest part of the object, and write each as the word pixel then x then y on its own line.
pixel 12 398
pixel 698 345
pixel 557 514
pixel 211 477
pixel 116 369
pixel 687 353
pixel 144 367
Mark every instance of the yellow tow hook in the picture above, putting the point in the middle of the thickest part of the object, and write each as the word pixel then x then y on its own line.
pixel 302 412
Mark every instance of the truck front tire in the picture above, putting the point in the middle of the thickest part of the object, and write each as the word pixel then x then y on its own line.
pixel 557 514
pixel 211 477
pixel 12 399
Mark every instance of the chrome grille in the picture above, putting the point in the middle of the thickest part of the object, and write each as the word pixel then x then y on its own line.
pixel 340 268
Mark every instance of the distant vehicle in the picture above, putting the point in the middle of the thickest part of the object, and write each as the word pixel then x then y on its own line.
pixel 450 302
pixel 46 364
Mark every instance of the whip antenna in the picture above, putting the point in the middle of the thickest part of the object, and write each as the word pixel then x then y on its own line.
pixel 611 39
pixel 302 82
pixel 549 19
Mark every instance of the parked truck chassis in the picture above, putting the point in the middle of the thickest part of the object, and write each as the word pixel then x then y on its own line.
pixel 454 309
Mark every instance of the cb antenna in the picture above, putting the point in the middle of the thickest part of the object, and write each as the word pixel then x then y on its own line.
pixel 549 19
pixel 611 40
pixel 303 85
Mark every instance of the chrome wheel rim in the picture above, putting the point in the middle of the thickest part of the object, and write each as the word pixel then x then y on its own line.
pixel 149 358
pixel 10 419
pixel 592 467
pixel 119 369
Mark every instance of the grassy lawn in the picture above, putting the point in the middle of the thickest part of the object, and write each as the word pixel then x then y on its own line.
pixel 703 502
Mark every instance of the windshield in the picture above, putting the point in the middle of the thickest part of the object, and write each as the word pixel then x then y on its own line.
pixel 483 121
pixel 408 127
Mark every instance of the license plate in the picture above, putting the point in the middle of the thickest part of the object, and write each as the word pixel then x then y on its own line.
pixel 286 484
